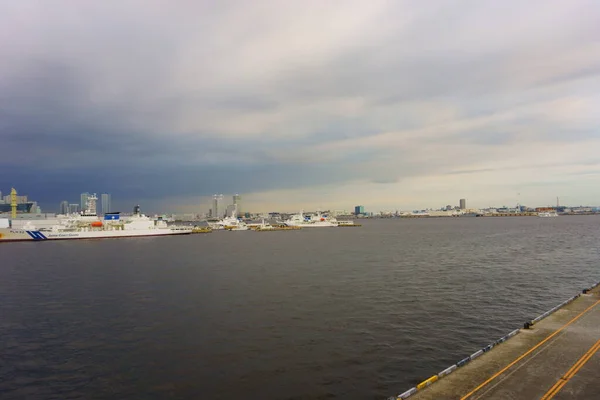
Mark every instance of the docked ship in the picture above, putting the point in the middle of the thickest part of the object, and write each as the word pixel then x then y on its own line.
pixel 547 214
pixel 470 214
pixel 231 223
pixel 311 221
pixel 347 223
pixel 88 225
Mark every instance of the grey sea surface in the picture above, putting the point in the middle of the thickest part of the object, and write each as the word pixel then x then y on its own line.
pixel 353 313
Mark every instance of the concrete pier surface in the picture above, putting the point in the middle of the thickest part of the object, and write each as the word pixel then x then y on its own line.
pixel 557 358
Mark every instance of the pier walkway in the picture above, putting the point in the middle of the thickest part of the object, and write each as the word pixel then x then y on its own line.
pixel 557 358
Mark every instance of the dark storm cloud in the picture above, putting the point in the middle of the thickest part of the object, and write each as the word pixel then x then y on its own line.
pixel 155 100
pixel 48 116
pixel 156 182
pixel 64 144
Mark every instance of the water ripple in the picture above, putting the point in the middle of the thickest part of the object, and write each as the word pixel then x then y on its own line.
pixel 323 314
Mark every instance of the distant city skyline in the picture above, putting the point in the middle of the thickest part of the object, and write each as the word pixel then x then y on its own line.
pixel 253 203
pixel 395 105
pixel 204 205
pixel 226 205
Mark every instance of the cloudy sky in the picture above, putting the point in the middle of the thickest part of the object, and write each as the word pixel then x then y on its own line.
pixel 389 104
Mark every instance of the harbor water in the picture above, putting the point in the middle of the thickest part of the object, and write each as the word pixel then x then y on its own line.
pixel 361 313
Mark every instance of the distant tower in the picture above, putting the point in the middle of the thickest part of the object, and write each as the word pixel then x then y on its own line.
pixel 13 203
pixel 106 200
pixel 237 201
pixel 64 207
pixel 216 199
pixel 83 202
pixel 463 204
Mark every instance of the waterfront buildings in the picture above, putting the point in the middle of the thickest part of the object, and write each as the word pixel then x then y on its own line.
pixel 64 207
pixel 359 210
pixel 105 200
pixel 230 210
pixel 463 204
pixel 216 211
pixel 83 200
pixel 237 201
pixel 24 205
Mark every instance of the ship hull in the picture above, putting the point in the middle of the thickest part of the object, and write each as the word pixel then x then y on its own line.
pixel 313 225
pixel 18 235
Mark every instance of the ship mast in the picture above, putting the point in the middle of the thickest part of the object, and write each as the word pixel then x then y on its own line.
pixel 91 205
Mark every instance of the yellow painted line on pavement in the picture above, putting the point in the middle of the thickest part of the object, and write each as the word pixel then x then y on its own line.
pixel 497 374
pixel 571 372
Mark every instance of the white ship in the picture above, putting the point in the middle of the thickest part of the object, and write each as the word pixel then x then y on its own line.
pixel 263 226
pixel 346 223
pixel 311 221
pixel 547 214
pixel 88 225
pixel 231 223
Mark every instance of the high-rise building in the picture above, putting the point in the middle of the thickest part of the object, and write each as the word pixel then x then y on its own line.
pixel 230 211
pixel 463 204
pixel 64 207
pixel 105 199
pixel 73 208
pixel 217 212
pixel 237 201
pixel 83 201
pixel 358 210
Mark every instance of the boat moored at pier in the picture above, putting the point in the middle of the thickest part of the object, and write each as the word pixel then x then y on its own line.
pixel 317 220
pixel 88 225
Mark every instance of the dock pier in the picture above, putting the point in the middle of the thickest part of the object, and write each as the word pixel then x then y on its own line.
pixel 554 356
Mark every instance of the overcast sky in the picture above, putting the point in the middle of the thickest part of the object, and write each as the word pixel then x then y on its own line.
pixel 301 104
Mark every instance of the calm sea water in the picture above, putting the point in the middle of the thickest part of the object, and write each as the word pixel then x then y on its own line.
pixel 360 313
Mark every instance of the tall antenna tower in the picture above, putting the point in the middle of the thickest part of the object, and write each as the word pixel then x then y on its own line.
pixel 557 203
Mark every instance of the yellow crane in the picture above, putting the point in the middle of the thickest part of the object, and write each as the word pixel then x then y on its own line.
pixel 13 203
